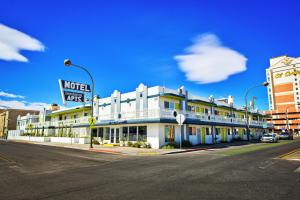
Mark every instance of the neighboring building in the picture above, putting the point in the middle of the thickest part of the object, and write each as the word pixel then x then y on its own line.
pixel 8 119
pixel 284 93
pixel 148 114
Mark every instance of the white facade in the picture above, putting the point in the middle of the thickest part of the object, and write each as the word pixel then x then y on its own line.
pixel 148 114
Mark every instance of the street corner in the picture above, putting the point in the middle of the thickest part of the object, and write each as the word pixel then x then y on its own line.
pixel 106 151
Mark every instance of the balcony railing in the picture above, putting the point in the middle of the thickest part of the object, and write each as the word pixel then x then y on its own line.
pixel 149 114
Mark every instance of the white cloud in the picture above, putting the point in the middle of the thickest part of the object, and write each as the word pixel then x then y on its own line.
pixel 208 61
pixel 13 41
pixel 10 95
pixel 14 104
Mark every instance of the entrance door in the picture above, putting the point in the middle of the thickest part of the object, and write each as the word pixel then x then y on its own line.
pixel 117 135
pixel 112 135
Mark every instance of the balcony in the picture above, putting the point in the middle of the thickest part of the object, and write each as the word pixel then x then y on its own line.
pixel 147 115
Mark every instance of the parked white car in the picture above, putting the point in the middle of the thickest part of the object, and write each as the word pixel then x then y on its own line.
pixel 269 137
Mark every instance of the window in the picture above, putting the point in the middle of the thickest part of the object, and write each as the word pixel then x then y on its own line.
pixel 166 105
pixel 206 111
pixel 217 131
pixel 107 130
pixel 75 116
pixel 60 117
pixel 172 105
pixel 141 95
pixel 65 117
pixel 189 108
pixel 85 114
pixel 192 130
pixel 244 131
pixel 132 133
pixel 228 131
pixel 169 133
pixel 142 133
pixel 193 108
pixel 197 109
pixel 207 131
pixel 100 132
pixel 125 133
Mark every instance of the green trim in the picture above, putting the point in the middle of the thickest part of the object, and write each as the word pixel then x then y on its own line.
pixel 74 110
pixel 202 102
pixel 173 96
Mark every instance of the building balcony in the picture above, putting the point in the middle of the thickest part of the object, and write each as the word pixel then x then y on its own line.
pixel 153 114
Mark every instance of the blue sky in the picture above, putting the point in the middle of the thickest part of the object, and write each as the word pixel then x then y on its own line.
pixel 124 43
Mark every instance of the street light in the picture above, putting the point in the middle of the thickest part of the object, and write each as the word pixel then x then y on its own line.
pixel 68 63
pixel 265 84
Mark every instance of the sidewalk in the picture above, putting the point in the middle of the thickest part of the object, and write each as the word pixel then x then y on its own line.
pixel 143 151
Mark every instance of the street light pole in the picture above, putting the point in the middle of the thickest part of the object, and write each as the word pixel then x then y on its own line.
pixel 68 62
pixel 246 106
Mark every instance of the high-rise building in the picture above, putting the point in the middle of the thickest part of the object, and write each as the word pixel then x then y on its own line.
pixel 284 93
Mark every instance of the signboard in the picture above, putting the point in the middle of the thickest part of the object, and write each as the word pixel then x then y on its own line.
pixel 74 96
pixel 180 119
pixel 70 85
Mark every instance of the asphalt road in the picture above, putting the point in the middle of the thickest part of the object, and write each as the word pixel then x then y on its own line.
pixel 29 171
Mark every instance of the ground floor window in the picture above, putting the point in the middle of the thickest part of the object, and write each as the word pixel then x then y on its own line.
pixel 192 130
pixel 100 132
pixel 107 133
pixel 132 133
pixel 142 133
pixel 125 133
pixel 217 131
pixel 228 131
pixel 169 133
pixel 207 131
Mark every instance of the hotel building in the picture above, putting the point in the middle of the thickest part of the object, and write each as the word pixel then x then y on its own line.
pixel 149 114
pixel 284 93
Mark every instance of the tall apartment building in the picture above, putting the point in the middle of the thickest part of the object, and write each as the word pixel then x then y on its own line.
pixel 284 93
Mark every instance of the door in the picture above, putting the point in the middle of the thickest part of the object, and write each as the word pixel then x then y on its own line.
pixel 117 135
pixel 203 135
pixel 112 135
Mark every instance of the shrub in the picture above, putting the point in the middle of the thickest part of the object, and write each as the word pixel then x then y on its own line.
pixel 168 146
pixel 129 144
pixel 137 145
pixel 95 141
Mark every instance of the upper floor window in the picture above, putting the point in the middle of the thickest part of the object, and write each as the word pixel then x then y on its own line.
pixel 206 111
pixel 169 105
pixel 166 105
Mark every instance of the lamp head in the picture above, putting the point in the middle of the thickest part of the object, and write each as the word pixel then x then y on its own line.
pixel 67 62
pixel 265 83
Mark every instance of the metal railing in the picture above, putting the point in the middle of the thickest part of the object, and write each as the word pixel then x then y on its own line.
pixel 150 114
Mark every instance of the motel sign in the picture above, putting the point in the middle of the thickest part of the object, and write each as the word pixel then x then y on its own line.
pixel 67 95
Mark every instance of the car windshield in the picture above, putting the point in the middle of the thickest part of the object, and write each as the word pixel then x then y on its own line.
pixel 268 135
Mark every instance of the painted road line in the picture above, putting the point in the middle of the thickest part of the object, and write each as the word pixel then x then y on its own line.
pixel 297 170
pixel 2 157
pixel 289 153
pixel 148 153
